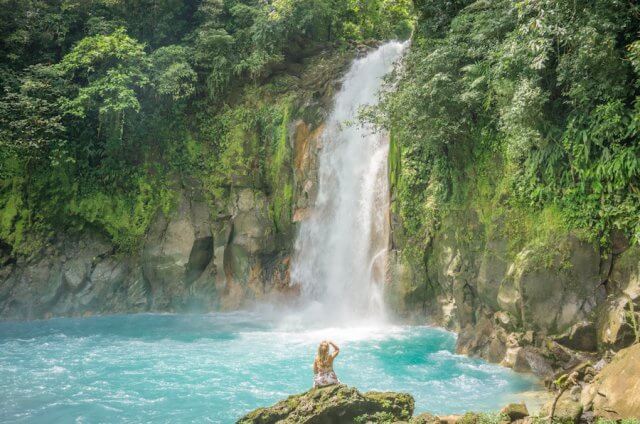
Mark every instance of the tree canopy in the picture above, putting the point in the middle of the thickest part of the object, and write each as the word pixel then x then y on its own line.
pixel 103 99
pixel 538 98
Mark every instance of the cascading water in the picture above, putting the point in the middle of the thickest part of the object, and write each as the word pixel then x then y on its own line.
pixel 341 250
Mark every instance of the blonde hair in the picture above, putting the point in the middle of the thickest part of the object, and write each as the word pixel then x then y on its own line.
pixel 323 352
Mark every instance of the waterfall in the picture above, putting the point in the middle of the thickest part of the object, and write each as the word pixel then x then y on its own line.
pixel 340 253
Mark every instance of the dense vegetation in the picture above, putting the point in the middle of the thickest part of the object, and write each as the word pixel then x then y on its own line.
pixel 525 111
pixel 108 104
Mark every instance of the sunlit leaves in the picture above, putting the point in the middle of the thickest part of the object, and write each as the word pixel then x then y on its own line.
pixel 171 72
pixel 550 82
pixel 108 70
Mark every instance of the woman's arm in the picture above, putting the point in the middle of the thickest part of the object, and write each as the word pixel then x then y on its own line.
pixel 336 350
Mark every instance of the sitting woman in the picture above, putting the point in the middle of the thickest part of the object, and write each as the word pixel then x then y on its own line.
pixel 323 365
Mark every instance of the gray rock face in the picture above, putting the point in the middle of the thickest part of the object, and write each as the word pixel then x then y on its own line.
pixel 535 309
pixel 551 297
pixel 168 248
pixel 190 260
pixel 75 277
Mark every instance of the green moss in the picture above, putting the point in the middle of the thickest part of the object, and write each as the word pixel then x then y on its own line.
pixel 482 186
pixel 280 167
pixel 124 217
pixel 11 222
pixel 378 417
pixel 280 150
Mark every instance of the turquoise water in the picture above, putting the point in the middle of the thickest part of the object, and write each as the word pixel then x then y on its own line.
pixel 215 368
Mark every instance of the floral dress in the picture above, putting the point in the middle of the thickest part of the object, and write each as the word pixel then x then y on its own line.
pixel 325 375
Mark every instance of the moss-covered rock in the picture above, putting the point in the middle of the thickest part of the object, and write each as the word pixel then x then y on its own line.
pixel 515 411
pixel 338 404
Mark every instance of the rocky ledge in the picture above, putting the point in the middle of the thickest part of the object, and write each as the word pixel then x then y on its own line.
pixel 335 405
pixel 346 405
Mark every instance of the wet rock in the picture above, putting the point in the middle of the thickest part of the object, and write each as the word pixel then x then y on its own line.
pixel 483 339
pixel 306 145
pixel 511 356
pixel 335 405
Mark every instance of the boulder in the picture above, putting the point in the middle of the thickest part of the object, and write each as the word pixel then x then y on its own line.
pixel 567 410
pixel 529 359
pixel 338 404
pixel 615 392
pixel 625 273
pixel 614 329
pixel 515 411
pixel 581 336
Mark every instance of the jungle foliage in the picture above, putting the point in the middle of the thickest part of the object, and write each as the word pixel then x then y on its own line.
pixel 106 103
pixel 520 108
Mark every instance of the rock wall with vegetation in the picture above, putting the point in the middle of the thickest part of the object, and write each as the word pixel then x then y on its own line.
pixel 515 169
pixel 156 154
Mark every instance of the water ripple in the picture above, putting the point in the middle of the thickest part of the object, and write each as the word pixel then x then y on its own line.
pixel 216 367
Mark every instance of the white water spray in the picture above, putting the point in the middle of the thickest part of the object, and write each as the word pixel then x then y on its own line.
pixel 341 250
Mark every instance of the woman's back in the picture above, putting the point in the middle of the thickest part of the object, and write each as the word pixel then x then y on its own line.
pixel 323 365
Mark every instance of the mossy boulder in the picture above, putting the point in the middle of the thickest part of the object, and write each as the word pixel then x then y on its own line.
pixel 515 411
pixel 335 405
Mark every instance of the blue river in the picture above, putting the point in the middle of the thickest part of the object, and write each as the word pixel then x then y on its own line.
pixel 217 367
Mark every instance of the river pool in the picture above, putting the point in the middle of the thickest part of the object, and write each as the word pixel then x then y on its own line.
pixel 217 367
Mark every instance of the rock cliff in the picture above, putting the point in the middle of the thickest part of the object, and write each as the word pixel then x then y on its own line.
pixel 542 308
pixel 208 252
